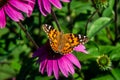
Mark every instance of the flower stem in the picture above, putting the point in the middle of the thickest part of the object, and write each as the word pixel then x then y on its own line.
pixel 86 26
pixel 115 20
pixel 94 5
pixel 27 34
pixel 56 20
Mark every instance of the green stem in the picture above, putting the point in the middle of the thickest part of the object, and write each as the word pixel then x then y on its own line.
pixel 56 20
pixel 27 34
pixel 115 20
pixel 94 5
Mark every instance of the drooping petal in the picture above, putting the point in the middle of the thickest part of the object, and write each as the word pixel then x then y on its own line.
pixel 65 0
pixel 32 4
pixel 55 69
pixel 2 18
pixel 69 65
pixel 12 13
pixel 80 48
pixel 49 67
pixel 73 59
pixel 47 6
pixel 20 5
pixel 56 3
pixel 43 66
pixel 41 7
pixel 63 67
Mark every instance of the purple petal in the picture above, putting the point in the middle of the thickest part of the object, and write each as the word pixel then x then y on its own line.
pixel 65 0
pixel 12 13
pixel 20 5
pixel 43 65
pixel 69 65
pixel 2 18
pixel 39 52
pixel 41 7
pixel 55 69
pixel 63 67
pixel 47 6
pixel 49 67
pixel 80 48
pixel 32 4
pixel 73 59
pixel 56 3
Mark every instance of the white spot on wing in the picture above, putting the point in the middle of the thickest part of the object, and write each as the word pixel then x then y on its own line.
pixel 49 27
pixel 79 36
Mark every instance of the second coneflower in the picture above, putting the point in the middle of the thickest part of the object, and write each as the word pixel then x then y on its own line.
pixel 45 5
pixel 14 9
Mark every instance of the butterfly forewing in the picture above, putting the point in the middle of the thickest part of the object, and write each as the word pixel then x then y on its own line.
pixel 53 36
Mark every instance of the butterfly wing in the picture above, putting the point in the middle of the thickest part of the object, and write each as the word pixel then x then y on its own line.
pixel 71 41
pixel 53 36
pixel 63 43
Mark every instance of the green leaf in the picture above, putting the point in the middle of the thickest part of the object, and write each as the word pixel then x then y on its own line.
pixel 115 54
pixel 6 72
pixel 43 78
pixel 111 3
pixel 116 73
pixel 108 12
pixel 105 77
pixel 3 32
pixel 76 77
pixel 98 25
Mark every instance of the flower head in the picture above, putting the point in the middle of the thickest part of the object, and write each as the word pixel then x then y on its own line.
pixel 54 63
pixel 101 3
pixel 13 9
pixel 45 5
pixel 104 62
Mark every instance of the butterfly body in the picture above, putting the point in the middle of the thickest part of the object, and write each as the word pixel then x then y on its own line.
pixel 63 43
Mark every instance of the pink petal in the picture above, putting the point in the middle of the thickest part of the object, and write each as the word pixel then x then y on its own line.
pixel 12 13
pixel 43 66
pixel 41 7
pixel 2 18
pixel 55 69
pixel 69 65
pixel 56 3
pixel 73 59
pixel 63 67
pixel 80 48
pixel 47 6
pixel 20 5
pixel 32 4
pixel 49 67
pixel 65 0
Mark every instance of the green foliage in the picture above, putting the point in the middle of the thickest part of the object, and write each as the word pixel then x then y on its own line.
pixel 98 25
pixel 16 50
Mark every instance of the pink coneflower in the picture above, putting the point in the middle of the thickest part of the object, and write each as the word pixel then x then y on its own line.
pixel 55 63
pixel 14 9
pixel 45 5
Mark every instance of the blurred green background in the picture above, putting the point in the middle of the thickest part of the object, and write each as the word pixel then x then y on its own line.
pixel 16 50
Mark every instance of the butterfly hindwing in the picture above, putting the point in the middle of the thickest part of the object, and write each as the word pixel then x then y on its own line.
pixel 71 41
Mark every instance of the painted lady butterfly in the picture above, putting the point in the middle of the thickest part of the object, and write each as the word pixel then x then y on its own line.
pixel 63 43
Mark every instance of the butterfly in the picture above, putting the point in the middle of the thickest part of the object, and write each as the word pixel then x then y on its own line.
pixel 63 43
